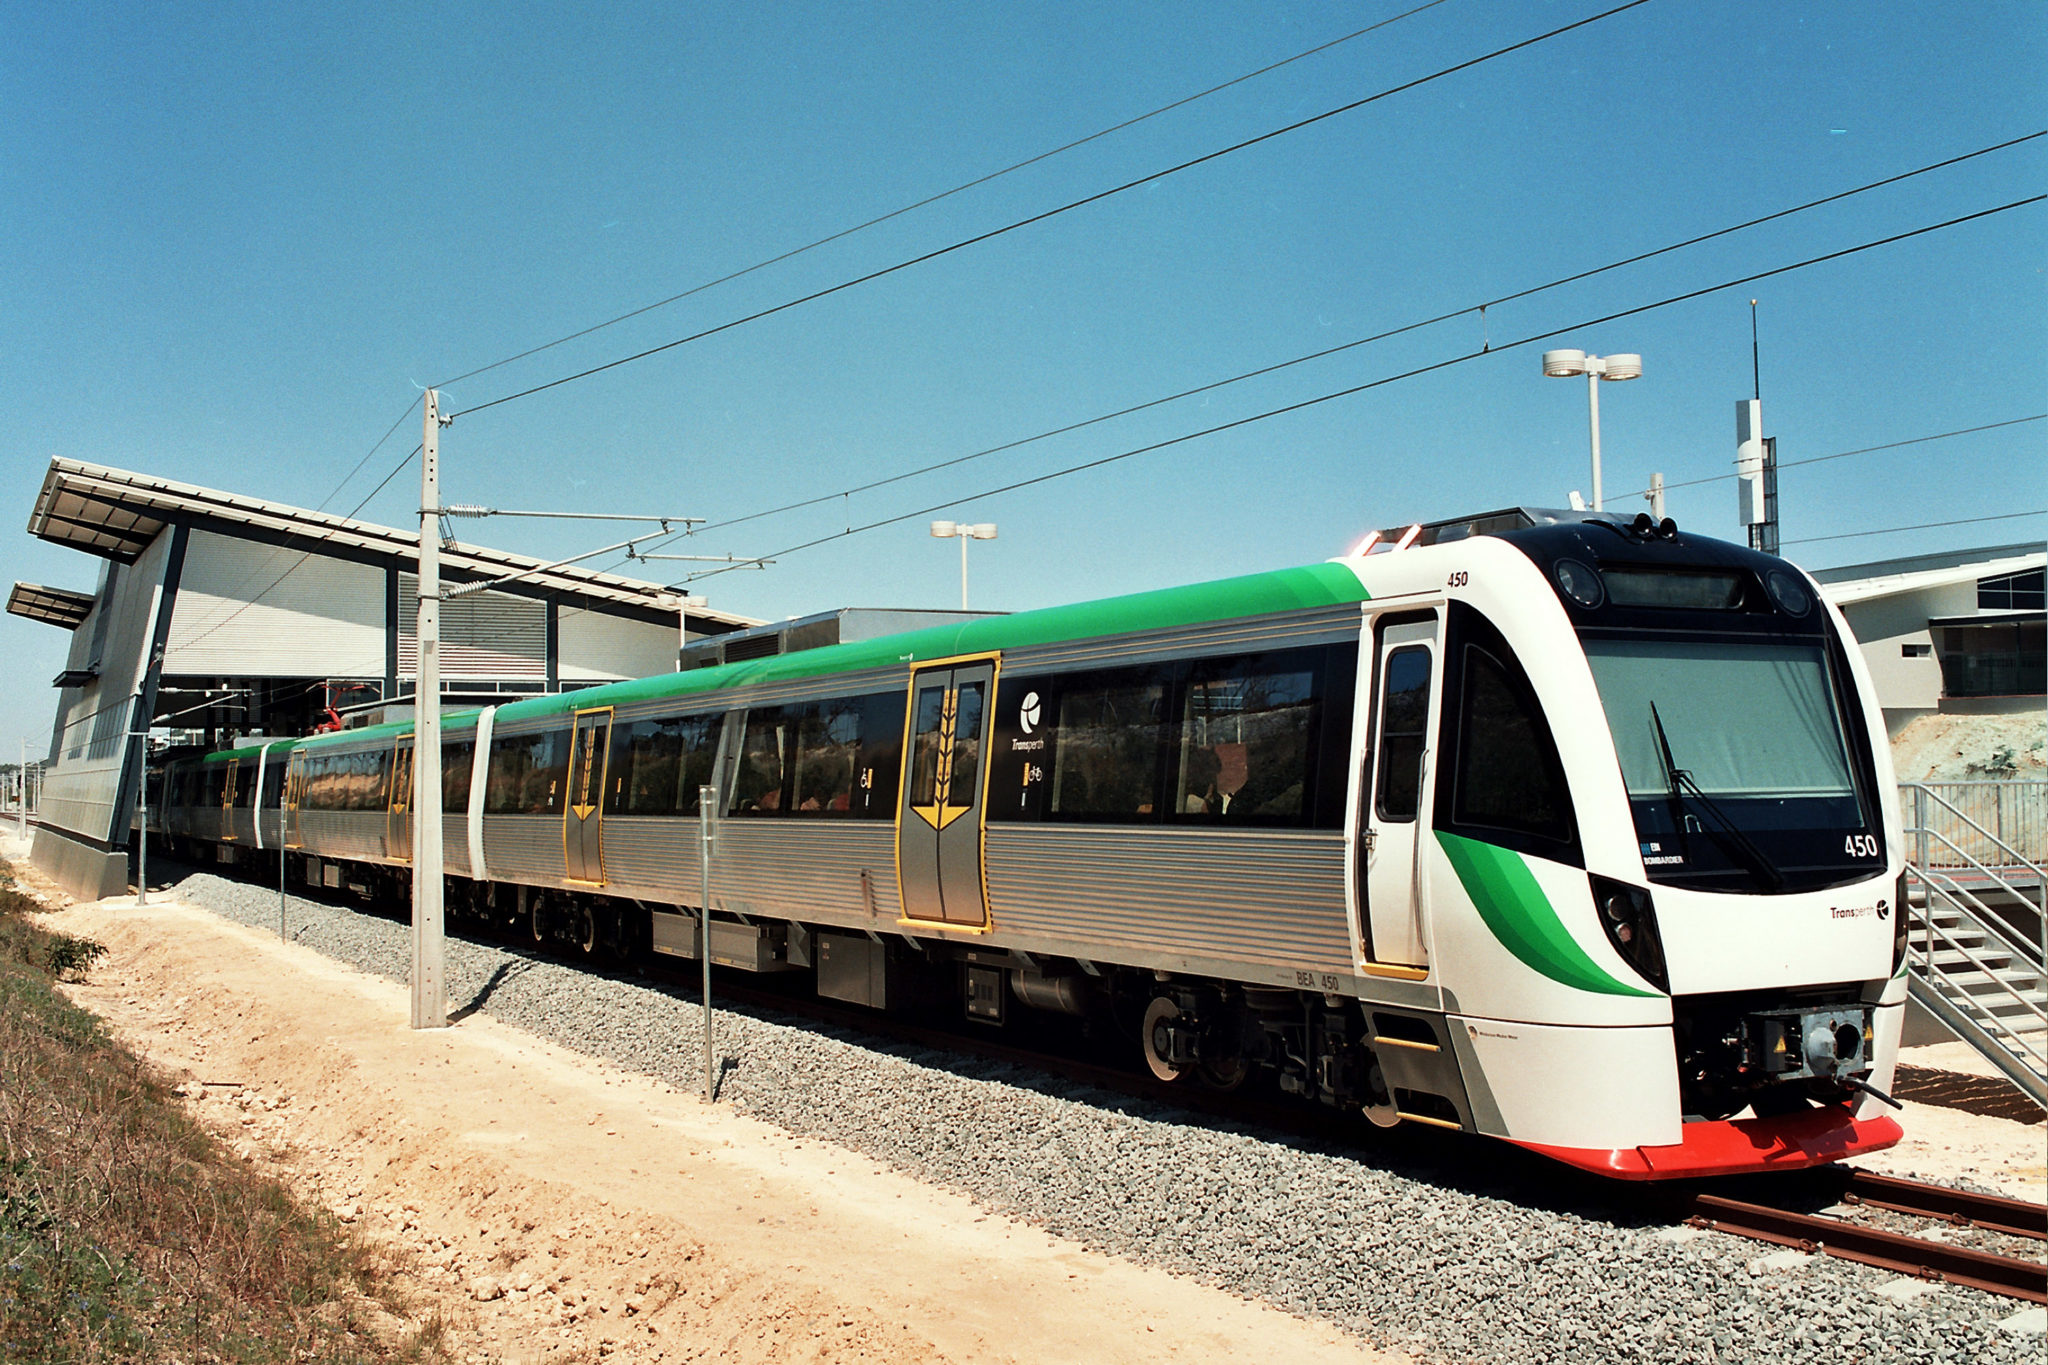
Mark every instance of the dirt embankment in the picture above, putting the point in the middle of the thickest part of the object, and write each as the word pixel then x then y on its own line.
pixel 554 1208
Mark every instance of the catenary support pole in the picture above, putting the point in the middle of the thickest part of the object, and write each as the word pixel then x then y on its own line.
pixel 707 798
pixel 429 989
pixel 283 795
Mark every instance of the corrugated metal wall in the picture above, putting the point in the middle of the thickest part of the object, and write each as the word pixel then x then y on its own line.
pixel 483 635
pixel 89 750
pixel 254 610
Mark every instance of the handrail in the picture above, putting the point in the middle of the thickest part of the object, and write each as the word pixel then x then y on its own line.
pixel 2019 859
pixel 1954 944
pixel 1963 897
pixel 1964 1027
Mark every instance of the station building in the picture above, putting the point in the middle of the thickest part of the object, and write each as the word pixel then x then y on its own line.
pixel 1961 632
pixel 217 616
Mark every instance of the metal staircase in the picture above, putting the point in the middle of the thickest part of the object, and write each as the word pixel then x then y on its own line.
pixel 1976 955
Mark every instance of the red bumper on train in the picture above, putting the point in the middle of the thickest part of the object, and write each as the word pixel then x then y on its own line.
pixel 1738 1146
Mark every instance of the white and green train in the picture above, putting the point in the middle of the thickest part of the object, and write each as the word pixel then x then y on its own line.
pixel 1566 830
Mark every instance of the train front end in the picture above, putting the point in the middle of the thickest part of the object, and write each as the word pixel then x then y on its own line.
pixel 1722 988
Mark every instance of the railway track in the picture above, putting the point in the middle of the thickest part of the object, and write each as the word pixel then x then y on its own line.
pixel 1922 1257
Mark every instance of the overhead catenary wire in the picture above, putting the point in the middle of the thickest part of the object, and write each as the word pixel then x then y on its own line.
pixel 931 199
pixel 1860 450
pixel 1055 212
pixel 1919 526
pixel 1387 334
pixel 1384 380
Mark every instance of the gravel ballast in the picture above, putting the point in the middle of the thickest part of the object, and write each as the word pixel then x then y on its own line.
pixel 1420 1260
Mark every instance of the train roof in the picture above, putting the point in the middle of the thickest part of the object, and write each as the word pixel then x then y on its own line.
pixel 1314 585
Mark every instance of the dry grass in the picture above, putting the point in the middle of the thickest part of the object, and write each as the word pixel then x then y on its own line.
pixel 129 1233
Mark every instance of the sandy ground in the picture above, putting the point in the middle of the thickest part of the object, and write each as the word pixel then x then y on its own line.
pixel 554 1208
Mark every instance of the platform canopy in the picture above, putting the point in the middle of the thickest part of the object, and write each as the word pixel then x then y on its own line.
pixel 52 606
pixel 117 514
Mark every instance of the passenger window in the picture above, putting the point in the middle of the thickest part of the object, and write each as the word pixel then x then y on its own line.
pixel 828 743
pixel 1244 744
pixel 658 765
pixel 527 772
pixel 1404 728
pixel 1107 753
pixel 456 762
pixel 764 763
pixel 1508 776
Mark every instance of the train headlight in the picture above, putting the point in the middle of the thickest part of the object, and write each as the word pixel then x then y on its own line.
pixel 1580 582
pixel 1630 921
pixel 1786 590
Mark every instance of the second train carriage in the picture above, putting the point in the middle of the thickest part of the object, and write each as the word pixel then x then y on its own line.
pixel 1567 833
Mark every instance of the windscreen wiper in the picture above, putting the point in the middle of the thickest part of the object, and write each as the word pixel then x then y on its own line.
pixel 1730 834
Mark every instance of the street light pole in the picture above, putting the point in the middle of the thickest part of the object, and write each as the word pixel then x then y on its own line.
pixel 966 531
pixel 1563 364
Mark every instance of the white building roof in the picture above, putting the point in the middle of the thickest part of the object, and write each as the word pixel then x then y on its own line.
pixel 1881 585
pixel 116 513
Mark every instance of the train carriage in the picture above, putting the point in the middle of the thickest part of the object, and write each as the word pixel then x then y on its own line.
pixel 1561 829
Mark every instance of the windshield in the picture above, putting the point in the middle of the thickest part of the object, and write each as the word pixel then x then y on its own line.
pixel 1743 719
pixel 1736 761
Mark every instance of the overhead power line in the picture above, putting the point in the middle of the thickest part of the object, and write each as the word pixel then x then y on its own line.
pixel 1419 370
pixel 1327 351
pixel 931 199
pixel 1085 200
pixel 1861 450
pixel 1919 526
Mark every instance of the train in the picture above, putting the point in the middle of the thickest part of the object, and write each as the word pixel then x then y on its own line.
pixel 1562 828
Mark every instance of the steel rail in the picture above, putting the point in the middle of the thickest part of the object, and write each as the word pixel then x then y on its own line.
pixel 2009 1276
pixel 1964 1208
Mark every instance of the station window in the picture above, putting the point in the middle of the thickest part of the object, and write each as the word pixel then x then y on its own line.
pixel 2013 592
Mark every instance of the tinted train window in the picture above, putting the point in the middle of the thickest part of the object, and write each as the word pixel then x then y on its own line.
pixel 658 765
pixel 458 761
pixel 1499 778
pixel 1256 739
pixel 821 759
pixel 1404 728
pixel 1246 737
pixel 1508 774
pixel 1109 729
pixel 527 772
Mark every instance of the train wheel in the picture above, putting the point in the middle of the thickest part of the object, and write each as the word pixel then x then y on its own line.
pixel 583 927
pixel 537 920
pixel 1155 1036
pixel 1225 1075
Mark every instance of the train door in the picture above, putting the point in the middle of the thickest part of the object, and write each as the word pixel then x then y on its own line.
pixel 398 816
pixel 1396 798
pixel 939 819
pixel 227 801
pixel 294 789
pixel 590 744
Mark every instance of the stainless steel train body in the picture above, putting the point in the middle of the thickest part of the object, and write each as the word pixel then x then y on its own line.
pixel 1574 835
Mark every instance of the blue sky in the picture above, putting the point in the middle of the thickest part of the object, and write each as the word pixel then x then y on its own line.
pixel 240 238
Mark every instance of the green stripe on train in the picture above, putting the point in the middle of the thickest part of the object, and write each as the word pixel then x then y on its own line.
pixel 1522 918
pixel 1260 594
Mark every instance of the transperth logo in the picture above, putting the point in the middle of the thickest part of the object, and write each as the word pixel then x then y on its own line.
pixel 1027 714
